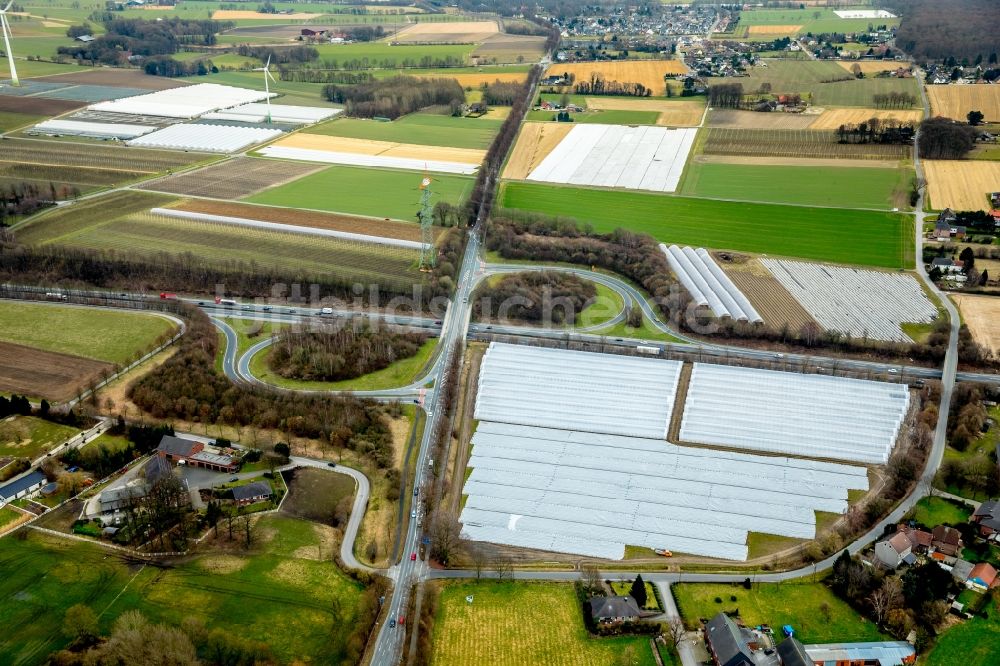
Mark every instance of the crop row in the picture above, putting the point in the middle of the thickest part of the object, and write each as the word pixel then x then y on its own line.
pixel 95 155
pixel 794 143
pixel 63 174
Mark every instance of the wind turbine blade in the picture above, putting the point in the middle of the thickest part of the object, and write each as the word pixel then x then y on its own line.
pixel 8 6
pixel 266 65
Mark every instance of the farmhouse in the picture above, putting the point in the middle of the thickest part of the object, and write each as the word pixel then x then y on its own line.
pixel 793 653
pixel 987 516
pixel 946 265
pixel 894 551
pixel 116 499
pixel 189 452
pixel 920 540
pixel 258 491
pixel 728 643
pixel 21 487
pixel 946 231
pixel 156 469
pixel 884 653
pixel 946 540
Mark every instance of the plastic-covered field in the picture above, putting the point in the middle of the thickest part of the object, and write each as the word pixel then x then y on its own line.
pixel 280 113
pixel 634 158
pixel 209 138
pixel 857 302
pixel 558 388
pixel 91 129
pixel 185 102
pixel 787 413
pixel 89 93
pixel 708 284
pixel 593 494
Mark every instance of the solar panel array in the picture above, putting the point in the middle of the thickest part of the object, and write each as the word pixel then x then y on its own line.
pixel 858 302
pixel 558 388
pixel 708 284
pixel 592 494
pixel 208 138
pixel 634 158
pixel 787 413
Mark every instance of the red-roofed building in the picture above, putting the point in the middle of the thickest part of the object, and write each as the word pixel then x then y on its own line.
pixel 984 575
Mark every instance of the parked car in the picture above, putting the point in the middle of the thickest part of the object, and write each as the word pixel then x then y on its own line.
pixel 413 557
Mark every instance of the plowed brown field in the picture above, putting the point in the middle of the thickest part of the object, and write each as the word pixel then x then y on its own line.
pixel 44 374
pixel 233 179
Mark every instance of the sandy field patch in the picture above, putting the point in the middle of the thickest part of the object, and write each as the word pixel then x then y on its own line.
pixel 384 148
pixel 956 101
pixel 222 564
pixel 872 66
pixel 236 14
pixel 461 32
pixel 981 314
pixel 754 120
pixel 533 144
pixel 674 114
pixel 752 160
pixel 773 29
pixel 834 118
pixel 649 73
pixel 45 374
pixel 961 184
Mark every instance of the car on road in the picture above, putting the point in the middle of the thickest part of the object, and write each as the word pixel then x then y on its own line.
pixel 267 308
pixel 392 623
pixel 331 464
pixel 893 371
pixel 413 557
pixel 437 322
pixel 401 620
pixel 413 514
pixel 416 491
pixel 779 356
pixel 235 478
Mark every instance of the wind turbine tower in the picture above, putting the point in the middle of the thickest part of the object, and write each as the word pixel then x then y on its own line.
pixel 267 90
pixel 428 256
pixel 7 37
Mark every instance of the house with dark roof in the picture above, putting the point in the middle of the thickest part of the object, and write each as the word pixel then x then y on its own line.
pixel 189 452
pixel 946 265
pixel 728 643
pixel 987 517
pixel 793 653
pixel 610 610
pixel 961 569
pixel 894 551
pixel 258 491
pixel 116 499
pixel 155 469
pixel 920 540
pixel 946 540
pixel 23 486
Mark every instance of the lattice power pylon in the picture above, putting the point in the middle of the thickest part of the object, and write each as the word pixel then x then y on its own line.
pixel 428 255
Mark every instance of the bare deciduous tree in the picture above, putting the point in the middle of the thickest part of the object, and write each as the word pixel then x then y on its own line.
pixel 503 566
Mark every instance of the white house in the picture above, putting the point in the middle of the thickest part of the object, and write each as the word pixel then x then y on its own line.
pixel 894 551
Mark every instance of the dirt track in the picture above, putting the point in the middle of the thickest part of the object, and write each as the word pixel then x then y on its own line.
pixel 45 374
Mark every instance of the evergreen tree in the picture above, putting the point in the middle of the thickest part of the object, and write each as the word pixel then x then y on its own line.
pixel 638 591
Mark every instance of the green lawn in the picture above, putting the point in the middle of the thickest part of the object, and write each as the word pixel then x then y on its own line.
pixel 933 511
pixel 777 604
pixel 279 595
pixel 426 129
pixel 30 436
pixel 10 120
pixel 812 19
pixel 969 643
pixel 373 192
pixel 510 624
pixel 398 374
pixel 623 588
pixel 825 234
pixel 839 187
pixel 645 332
pixel 103 335
pixel 8 515
pixel 605 307
pixel 110 443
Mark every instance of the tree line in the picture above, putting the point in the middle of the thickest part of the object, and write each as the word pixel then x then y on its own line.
pixel 311 75
pixel 426 62
pixel 501 93
pixel 21 199
pixel 280 55
pixel 394 97
pixel 598 85
pixel 945 139
pixel 726 95
pixel 171 67
pixel 875 130
pixel 143 37
pixel 537 296
pixel 344 353
pixel 894 100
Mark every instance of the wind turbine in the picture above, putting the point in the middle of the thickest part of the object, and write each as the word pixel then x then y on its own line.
pixel 267 90
pixel 7 36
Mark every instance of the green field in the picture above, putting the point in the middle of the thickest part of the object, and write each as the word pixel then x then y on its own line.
pixel 29 436
pixel 8 515
pixel 969 643
pixel 398 374
pixel 103 335
pixel 777 604
pixel 611 117
pixel 933 511
pixel 109 443
pixel 825 234
pixel 427 129
pixel 838 187
pixel 806 77
pixel 372 192
pixel 10 120
pixel 812 19
pixel 446 72
pixel 278 595
pixel 514 624
pixel 381 54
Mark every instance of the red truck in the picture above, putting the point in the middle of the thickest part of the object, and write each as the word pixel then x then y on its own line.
pixel 167 296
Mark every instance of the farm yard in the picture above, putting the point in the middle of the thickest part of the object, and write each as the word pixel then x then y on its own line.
pixel 232 179
pixel 649 73
pixel 347 223
pixel 534 143
pixel 956 101
pixel 821 83
pixel 961 184
pixel 344 189
pixel 369 153
pixel 839 187
pixel 426 129
pixel 981 314
pixel 859 303
pixel 824 234
pixel 509 624
pixel 102 335
pixel 794 143
pixel 280 593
